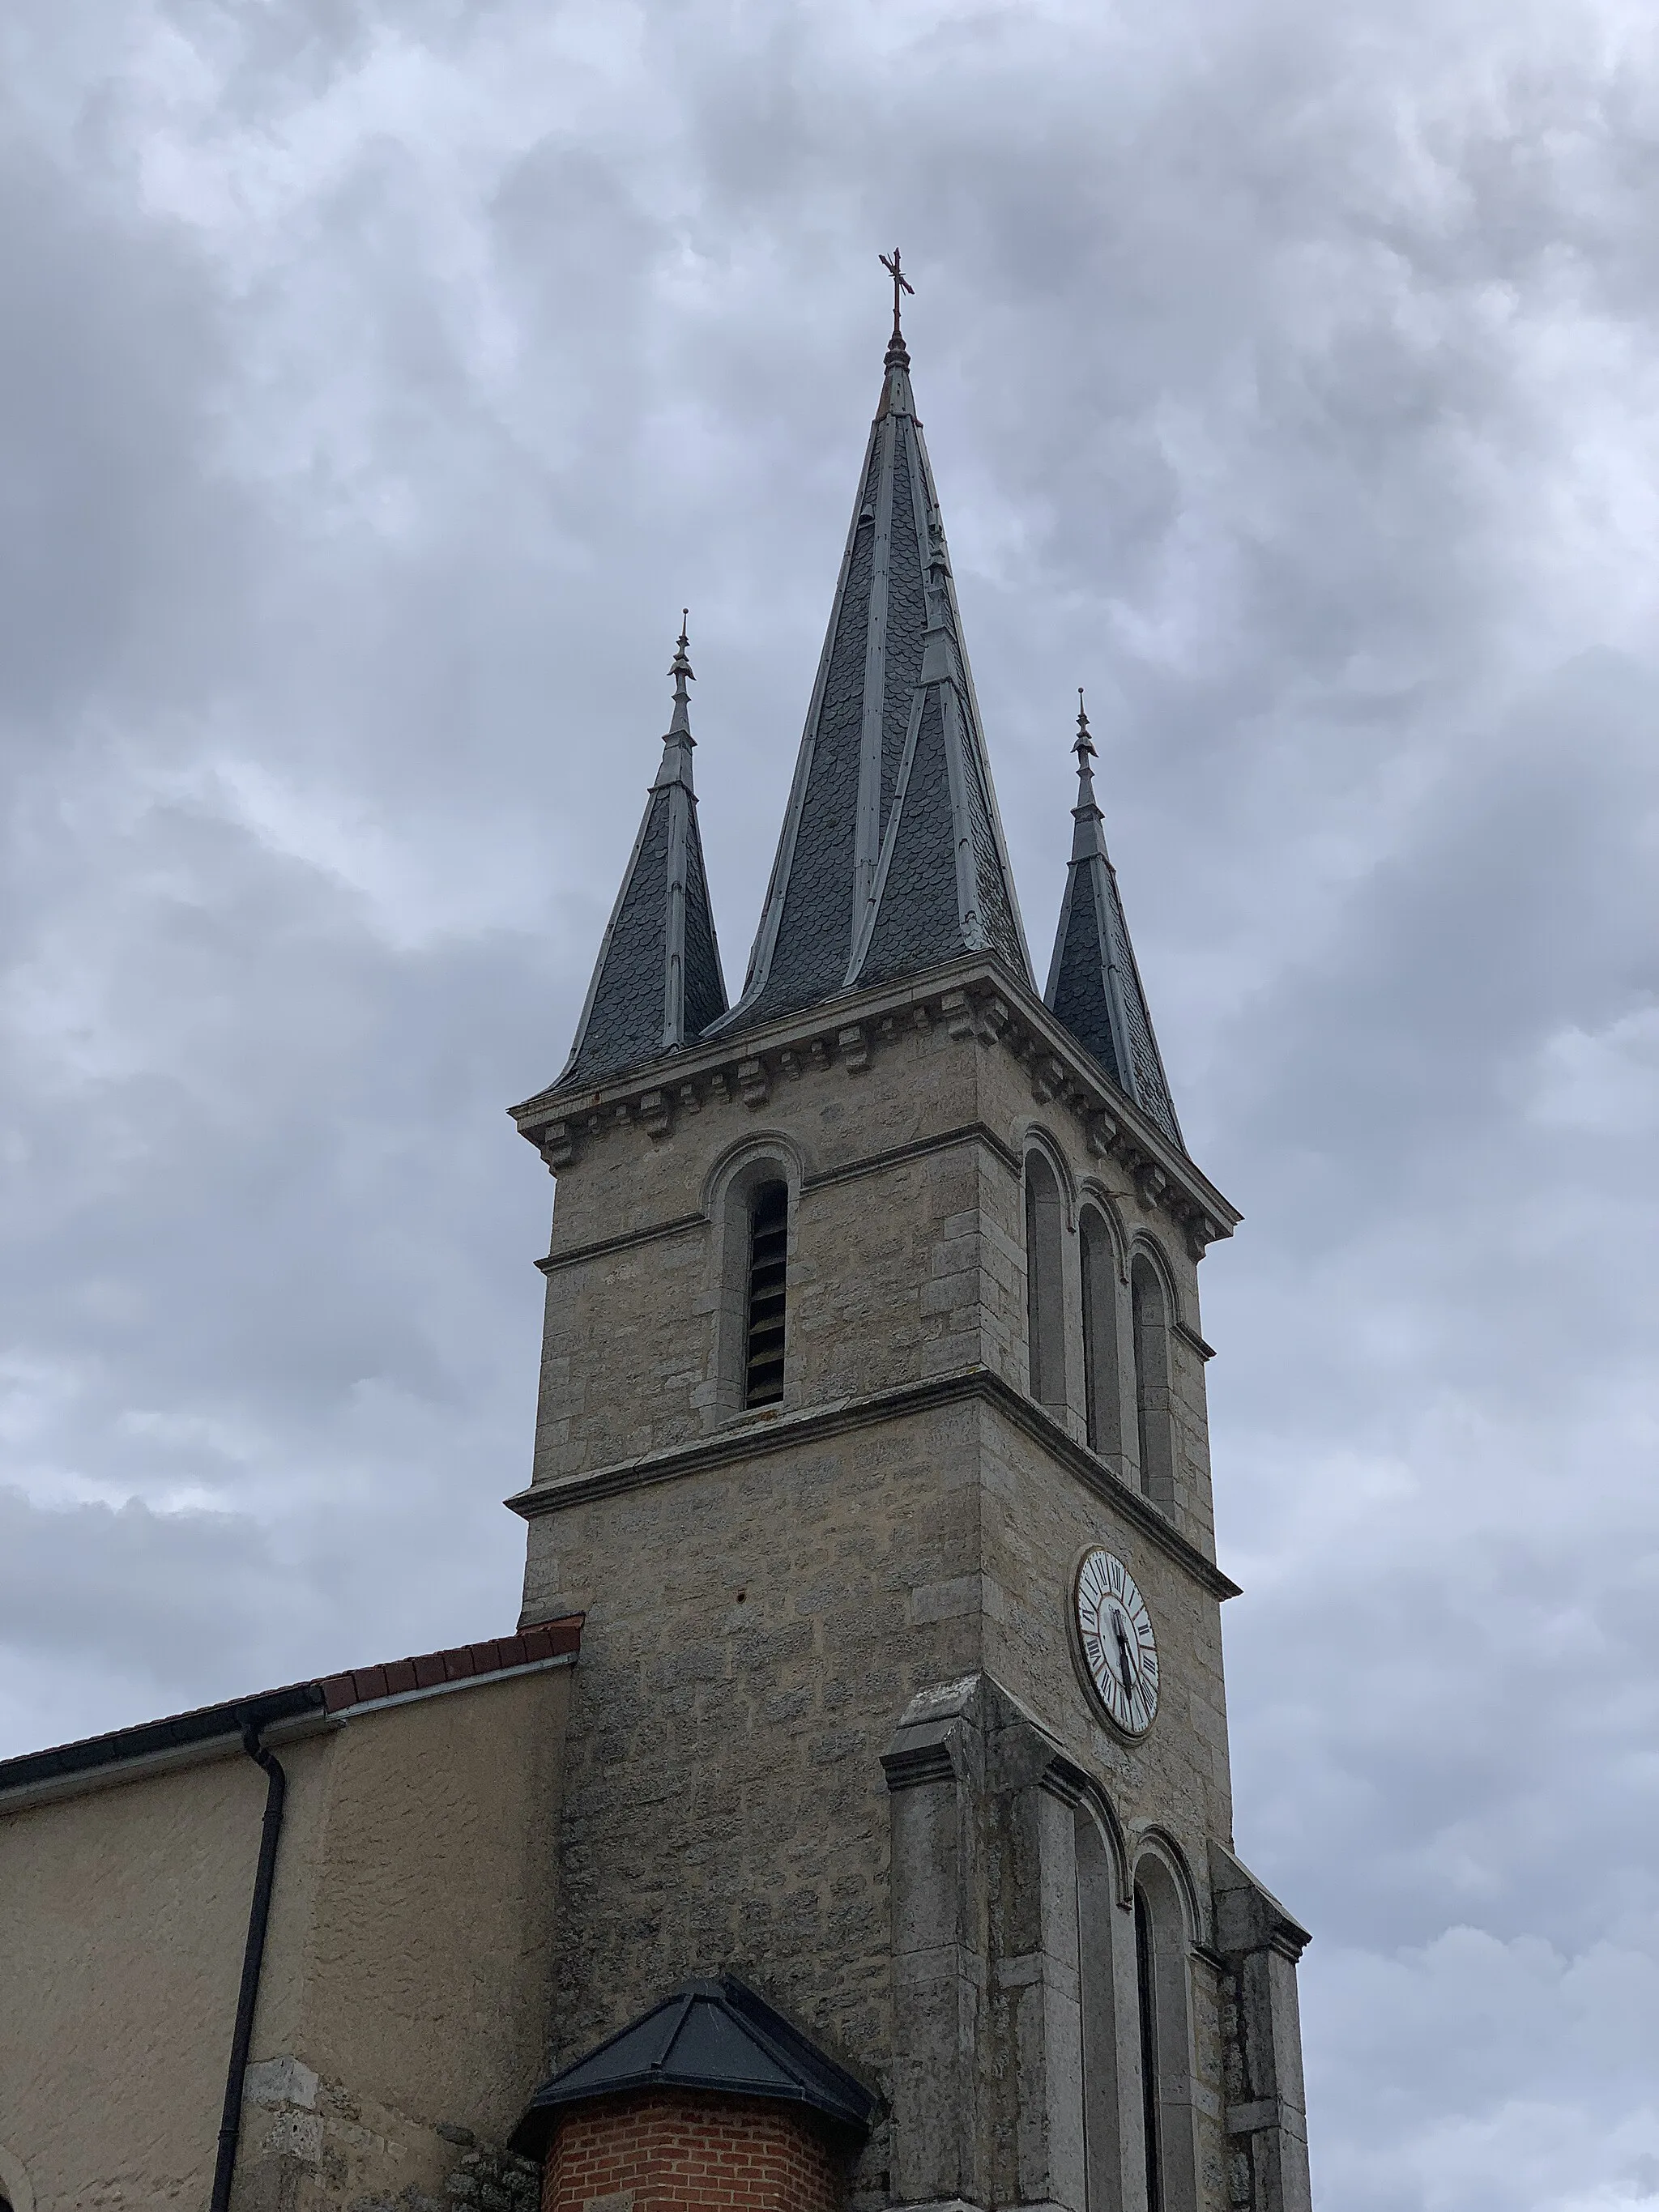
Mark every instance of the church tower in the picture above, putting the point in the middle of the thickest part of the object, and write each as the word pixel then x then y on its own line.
pixel 871 1445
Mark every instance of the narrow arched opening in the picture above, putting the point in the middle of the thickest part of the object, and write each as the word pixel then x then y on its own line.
pixel 1104 2072
pixel 766 1304
pixel 1162 1993
pixel 1154 1412
pixel 1101 1385
pixel 1150 2086
pixel 1045 1286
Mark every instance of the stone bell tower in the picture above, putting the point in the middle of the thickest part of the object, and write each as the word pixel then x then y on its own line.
pixel 872 1444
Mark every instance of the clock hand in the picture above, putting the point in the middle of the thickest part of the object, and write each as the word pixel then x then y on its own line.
pixel 1124 1666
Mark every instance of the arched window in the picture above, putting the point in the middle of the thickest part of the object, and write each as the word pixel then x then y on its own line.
pixel 1165 2053
pixel 1045 1288
pixel 769 1283
pixel 753 1200
pixel 1101 1390
pixel 1147 1992
pixel 1106 2073
pixel 1154 1414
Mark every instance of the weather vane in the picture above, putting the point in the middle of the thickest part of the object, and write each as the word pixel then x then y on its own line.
pixel 901 283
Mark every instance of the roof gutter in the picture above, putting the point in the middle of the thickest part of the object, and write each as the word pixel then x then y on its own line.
pixel 253 1954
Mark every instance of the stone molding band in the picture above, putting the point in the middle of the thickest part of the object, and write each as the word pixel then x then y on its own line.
pixel 970 1132
pixel 757 1437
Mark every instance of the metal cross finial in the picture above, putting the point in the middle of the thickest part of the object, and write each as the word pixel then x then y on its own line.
pixel 901 283
pixel 1083 744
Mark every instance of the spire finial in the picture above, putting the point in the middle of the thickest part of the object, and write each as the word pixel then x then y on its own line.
pixel 895 347
pixel 1083 745
pixel 682 673
pixel 1086 812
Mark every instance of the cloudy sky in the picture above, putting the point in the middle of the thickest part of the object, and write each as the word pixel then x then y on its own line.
pixel 377 382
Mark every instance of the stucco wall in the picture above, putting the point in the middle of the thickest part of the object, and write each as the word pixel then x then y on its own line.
pixel 122 1915
pixel 406 1974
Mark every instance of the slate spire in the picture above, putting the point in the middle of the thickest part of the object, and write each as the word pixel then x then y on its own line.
pixel 657 980
pixel 892 860
pixel 1094 986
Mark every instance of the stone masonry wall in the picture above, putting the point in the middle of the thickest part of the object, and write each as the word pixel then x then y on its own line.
pixel 896 1272
pixel 762 1608
pixel 753 1631
pixel 1008 1107
pixel 901 1267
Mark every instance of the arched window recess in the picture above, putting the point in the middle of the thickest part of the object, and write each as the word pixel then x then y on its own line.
pixel 1164 1937
pixel 1151 1304
pixel 1045 1281
pixel 1103 1350
pixel 751 1199
pixel 769 1285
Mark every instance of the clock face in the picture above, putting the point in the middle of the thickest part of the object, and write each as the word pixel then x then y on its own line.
pixel 1120 1651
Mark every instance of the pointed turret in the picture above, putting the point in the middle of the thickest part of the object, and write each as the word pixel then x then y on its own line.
pixel 892 860
pixel 657 980
pixel 1094 986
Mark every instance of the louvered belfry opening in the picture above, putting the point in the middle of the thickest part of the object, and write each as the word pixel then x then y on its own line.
pixel 768 1269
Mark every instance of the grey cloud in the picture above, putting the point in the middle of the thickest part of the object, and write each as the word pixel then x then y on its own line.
pixel 121 545
pixel 381 384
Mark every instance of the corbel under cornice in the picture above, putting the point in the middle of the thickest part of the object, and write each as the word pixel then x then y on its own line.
pixel 977 997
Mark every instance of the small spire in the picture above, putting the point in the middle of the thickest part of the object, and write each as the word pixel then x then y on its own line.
pixel 657 983
pixel 1094 987
pixel 897 357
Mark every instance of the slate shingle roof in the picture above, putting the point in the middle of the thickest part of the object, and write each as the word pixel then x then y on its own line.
pixel 710 2034
pixel 1094 985
pixel 892 860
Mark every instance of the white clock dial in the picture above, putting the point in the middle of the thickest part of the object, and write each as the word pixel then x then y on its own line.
pixel 1115 1632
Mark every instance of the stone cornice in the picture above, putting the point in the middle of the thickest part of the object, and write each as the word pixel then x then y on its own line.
pixel 760 1436
pixel 977 998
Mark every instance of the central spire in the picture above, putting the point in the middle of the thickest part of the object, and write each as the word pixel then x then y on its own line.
pixel 892 860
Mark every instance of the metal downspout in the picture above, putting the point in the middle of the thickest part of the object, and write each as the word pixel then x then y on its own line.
pixel 253 1954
